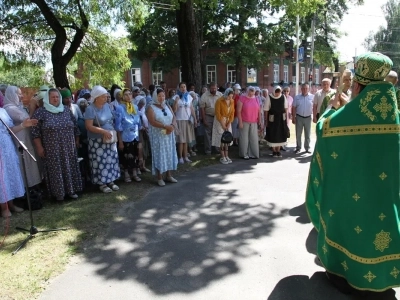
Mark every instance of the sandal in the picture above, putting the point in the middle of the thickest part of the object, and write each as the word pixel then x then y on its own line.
pixel 113 186
pixel 105 189
pixel 136 178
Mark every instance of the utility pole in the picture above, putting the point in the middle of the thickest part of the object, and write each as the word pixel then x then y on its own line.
pixel 311 72
pixel 297 53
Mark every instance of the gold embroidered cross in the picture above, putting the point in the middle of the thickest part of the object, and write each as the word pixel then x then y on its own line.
pixel 358 229
pixel 356 197
pixel 383 108
pixel 383 176
pixel 331 213
pixel 334 155
pixel 382 240
pixel 369 276
pixel 317 205
pixel 382 216
pixel 316 182
pixel 325 249
pixel 345 267
pixel 395 272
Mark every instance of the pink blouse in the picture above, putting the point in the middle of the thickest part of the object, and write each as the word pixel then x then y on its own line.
pixel 250 109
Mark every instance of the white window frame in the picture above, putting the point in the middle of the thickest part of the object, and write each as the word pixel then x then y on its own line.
pixel 303 75
pixel 136 75
pixel 157 77
pixel 252 79
pixel 286 73
pixel 211 73
pixel 316 80
pixel 276 73
pixel 230 73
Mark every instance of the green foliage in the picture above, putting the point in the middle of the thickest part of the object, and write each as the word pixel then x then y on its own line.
pixel 21 73
pixel 30 27
pixel 327 21
pixel 387 38
pixel 102 60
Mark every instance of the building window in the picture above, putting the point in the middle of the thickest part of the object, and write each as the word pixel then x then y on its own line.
pixel 135 75
pixel 276 73
pixel 231 73
pixel 157 77
pixel 286 73
pixel 303 75
pixel 251 75
pixel 316 76
pixel 211 73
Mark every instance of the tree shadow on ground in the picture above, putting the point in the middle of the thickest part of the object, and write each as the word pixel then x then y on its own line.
pixel 185 236
pixel 318 287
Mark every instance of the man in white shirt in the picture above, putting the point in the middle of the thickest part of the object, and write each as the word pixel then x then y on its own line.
pixel 320 96
pixel 301 116
pixel 207 112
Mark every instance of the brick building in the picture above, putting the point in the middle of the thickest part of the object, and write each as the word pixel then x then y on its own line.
pixel 279 71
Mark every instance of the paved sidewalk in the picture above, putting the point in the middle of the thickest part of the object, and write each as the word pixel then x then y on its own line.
pixel 235 231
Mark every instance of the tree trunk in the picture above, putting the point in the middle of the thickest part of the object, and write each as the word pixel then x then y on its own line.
pixel 60 73
pixel 189 44
pixel 336 65
pixel 238 68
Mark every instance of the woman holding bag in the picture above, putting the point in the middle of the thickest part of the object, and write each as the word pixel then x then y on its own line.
pixel 103 153
pixel 224 115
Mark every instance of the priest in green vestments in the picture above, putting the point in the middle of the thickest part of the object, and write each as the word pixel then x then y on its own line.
pixel 353 186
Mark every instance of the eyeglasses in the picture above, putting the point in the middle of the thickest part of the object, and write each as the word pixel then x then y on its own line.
pixel 164 112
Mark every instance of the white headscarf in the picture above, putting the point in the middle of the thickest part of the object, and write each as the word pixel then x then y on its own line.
pixel 10 96
pixel 116 91
pixel 97 91
pixel 46 100
pixel 13 106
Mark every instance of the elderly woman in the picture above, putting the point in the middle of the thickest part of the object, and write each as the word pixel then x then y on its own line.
pixel 196 106
pixel 14 108
pixel 1 99
pixel 128 125
pixel 103 153
pixel 11 182
pixel 186 119
pixel 235 123
pixel 162 139
pixel 224 114
pixel 249 117
pixel 275 112
pixel 55 139
pixel 144 133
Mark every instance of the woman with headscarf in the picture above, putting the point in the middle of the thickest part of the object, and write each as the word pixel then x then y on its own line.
pixel 55 138
pixel 275 111
pixel 224 114
pixel 103 156
pixel 128 125
pixel 14 108
pixel 144 132
pixel 11 182
pixel 249 117
pixel 1 99
pixel 67 101
pixel 186 119
pixel 162 139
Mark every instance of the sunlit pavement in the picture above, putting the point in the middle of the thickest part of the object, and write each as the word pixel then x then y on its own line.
pixel 237 231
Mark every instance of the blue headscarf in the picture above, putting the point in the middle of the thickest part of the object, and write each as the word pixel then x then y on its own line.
pixel 227 92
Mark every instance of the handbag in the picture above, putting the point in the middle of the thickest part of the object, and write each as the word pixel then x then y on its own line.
pixel 226 137
pixel 113 138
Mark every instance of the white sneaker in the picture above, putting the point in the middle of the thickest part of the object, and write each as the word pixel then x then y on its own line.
pixel 161 182
pixel 188 160
pixel 181 161
pixel 171 179
pixel 223 161
pixel 229 160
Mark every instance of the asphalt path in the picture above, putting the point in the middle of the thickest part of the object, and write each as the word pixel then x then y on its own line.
pixel 237 231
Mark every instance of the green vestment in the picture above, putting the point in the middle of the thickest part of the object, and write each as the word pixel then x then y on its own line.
pixel 353 189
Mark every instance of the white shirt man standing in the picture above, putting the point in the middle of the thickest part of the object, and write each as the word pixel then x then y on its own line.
pixel 320 96
pixel 207 110
pixel 301 116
